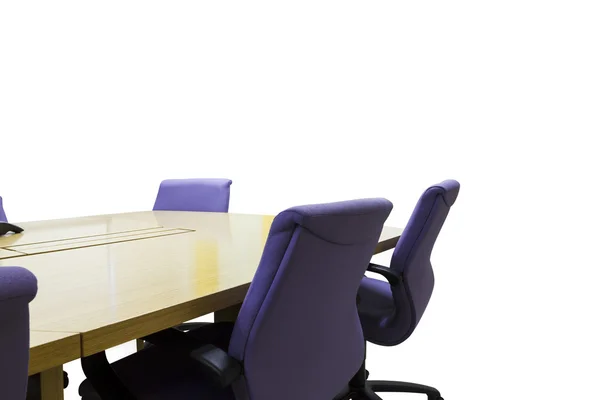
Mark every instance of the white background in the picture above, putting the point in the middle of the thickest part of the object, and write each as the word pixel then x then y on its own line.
pixel 313 101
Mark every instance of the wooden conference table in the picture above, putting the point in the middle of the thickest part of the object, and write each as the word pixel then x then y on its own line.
pixel 106 280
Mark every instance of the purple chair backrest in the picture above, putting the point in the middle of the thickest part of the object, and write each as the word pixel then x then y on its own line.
pixel 18 287
pixel 2 213
pixel 412 255
pixel 202 195
pixel 298 333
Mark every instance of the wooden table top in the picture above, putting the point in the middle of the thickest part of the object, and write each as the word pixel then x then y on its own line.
pixel 116 278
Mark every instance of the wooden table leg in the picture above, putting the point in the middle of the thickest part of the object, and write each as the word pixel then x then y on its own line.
pixel 51 383
pixel 228 314
pixel 139 344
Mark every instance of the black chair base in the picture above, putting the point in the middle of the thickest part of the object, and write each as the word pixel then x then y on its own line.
pixel 369 392
pixel 362 389
pixel 107 383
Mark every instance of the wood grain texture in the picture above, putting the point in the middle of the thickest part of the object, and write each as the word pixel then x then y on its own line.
pixel 123 291
pixel 52 384
pixel 86 238
pixel 228 314
pixel 5 253
pixel 114 293
pixel 50 349
pixel 42 231
pixel 107 336
pixel 90 241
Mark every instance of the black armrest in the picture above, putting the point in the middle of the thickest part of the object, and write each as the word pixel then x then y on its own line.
pixel 219 366
pixel 6 227
pixel 393 277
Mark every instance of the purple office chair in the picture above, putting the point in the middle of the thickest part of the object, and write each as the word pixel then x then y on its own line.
pixel 199 195
pixel 205 195
pixel 18 287
pixel 5 226
pixel 34 384
pixel 390 311
pixel 297 337
pixel 2 213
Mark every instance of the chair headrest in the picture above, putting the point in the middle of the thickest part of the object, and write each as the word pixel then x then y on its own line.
pixel 319 218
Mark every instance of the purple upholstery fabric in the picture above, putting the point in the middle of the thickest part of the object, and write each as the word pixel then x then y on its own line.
pixel 18 287
pixel 298 332
pixel 389 315
pixel 2 213
pixel 208 195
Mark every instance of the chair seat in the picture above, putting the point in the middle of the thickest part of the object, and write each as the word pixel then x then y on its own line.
pixel 376 299
pixel 155 374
